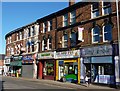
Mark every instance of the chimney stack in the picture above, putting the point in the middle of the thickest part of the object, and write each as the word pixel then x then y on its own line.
pixel 71 2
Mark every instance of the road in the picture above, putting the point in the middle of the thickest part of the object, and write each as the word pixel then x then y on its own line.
pixel 13 83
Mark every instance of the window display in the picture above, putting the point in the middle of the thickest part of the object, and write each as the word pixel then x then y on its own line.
pixel 49 68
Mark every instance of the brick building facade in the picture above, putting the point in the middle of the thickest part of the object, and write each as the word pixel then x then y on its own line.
pixel 68 43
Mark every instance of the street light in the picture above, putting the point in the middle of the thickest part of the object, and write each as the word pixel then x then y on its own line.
pixel 117 58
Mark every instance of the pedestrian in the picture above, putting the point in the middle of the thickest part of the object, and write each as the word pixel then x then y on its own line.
pixel 87 79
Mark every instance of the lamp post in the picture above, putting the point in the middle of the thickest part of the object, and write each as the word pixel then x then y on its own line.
pixel 117 58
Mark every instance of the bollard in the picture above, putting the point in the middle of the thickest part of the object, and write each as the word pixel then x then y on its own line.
pixel 17 75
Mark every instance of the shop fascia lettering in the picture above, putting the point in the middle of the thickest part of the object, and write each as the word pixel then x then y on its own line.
pixel 46 55
pixel 27 57
pixel 68 54
pixel 97 51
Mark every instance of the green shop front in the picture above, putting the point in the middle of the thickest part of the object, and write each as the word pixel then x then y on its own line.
pixel 16 66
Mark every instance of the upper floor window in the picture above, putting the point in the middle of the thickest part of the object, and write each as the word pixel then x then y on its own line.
pixel 65 41
pixel 49 25
pixel 45 27
pixel 94 10
pixel 107 8
pixel 65 20
pixel 72 17
pixel 32 46
pixel 44 44
pixel 95 34
pixel 29 32
pixel 20 34
pixel 10 39
pixel 73 39
pixel 49 43
pixel 17 36
pixel 36 30
pixel 107 32
pixel 32 31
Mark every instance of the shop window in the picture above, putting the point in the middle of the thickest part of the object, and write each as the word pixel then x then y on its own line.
pixel 95 10
pixel 49 68
pixel 95 34
pixel 107 33
pixel 108 69
pixel 65 20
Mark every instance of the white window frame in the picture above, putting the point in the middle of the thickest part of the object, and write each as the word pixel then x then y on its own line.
pixel 49 25
pixel 93 37
pixel 104 35
pixel 20 34
pixel 43 45
pixel 92 11
pixel 72 17
pixel 103 9
pixel 44 27
pixel 63 42
pixel 64 19
pixel 48 44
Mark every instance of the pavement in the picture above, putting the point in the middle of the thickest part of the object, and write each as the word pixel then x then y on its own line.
pixel 66 84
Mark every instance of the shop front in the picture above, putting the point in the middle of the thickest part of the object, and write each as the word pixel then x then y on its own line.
pixel 16 66
pixel 6 66
pixel 46 65
pixel 27 66
pixel 99 61
pixel 68 66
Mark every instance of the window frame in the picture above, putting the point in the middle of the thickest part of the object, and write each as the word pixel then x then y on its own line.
pixel 103 28
pixel 95 35
pixel 94 10
pixel 106 7
pixel 65 20
pixel 72 17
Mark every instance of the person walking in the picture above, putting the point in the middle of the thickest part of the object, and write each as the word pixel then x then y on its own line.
pixel 87 78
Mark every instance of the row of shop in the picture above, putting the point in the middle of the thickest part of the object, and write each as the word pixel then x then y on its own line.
pixel 71 65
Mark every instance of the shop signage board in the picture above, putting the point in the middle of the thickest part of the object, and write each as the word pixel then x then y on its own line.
pixel 17 58
pixel 46 55
pixel 27 59
pixel 68 54
pixel 101 50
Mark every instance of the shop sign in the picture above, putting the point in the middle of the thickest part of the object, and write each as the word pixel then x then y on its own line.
pixel 97 51
pixel 46 55
pixel 27 57
pixel 17 58
pixel 68 54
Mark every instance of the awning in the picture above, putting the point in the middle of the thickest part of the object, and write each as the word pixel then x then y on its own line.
pixel 16 63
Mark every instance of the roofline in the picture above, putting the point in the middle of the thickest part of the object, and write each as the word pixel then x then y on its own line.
pixel 58 13
pixel 18 29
